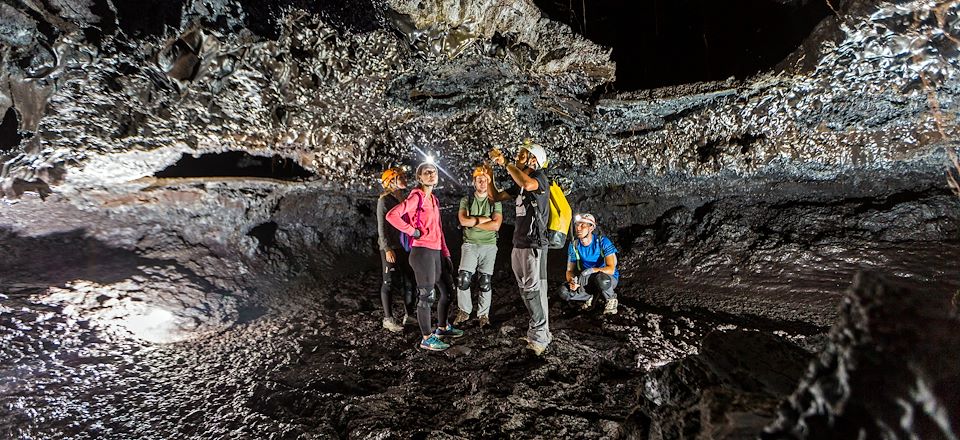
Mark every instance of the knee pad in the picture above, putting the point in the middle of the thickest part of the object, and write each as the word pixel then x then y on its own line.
pixel 603 281
pixel 463 281
pixel 486 282
pixel 427 297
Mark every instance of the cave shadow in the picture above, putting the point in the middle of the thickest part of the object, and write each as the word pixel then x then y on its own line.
pixel 57 258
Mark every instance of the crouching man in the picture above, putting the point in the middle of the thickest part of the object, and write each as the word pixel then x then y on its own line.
pixel 591 266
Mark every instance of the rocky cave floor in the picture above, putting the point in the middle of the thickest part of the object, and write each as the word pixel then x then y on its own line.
pixel 311 361
pixel 698 348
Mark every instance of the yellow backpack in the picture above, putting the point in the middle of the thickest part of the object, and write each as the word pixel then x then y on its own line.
pixel 560 217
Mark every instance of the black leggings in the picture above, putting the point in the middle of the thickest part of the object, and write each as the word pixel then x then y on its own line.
pixel 427 268
pixel 397 277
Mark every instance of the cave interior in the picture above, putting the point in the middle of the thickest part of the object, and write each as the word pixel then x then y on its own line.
pixel 192 224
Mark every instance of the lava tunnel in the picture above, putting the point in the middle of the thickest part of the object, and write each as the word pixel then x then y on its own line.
pixel 265 234
pixel 235 164
pixel 660 43
pixel 771 257
pixel 9 135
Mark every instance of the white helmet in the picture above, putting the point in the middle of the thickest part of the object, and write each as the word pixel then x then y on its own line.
pixel 537 151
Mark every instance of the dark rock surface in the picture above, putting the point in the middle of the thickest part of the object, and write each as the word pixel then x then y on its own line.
pixel 204 173
pixel 311 361
pixel 344 94
pixel 707 244
pixel 729 390
pixel 889 370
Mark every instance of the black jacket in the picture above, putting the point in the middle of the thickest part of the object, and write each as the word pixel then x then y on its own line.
pixel 388 236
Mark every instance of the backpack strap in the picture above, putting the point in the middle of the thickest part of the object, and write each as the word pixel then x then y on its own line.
pixel 470 200
pixel 416 216
pixel 576 252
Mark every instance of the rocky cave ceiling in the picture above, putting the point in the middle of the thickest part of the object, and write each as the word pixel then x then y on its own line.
pixel 218 160
pixel 346 90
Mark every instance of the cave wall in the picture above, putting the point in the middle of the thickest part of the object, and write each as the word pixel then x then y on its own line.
pixel 200 157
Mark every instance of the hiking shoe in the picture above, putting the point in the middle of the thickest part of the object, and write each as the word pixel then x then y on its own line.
pixel 587 304
pixel 410 320
pixel 536 348
pixel 449 330
pixel 461 317
pixel 484 321
pixel 433 343
pixel 391 325
pixel 611 307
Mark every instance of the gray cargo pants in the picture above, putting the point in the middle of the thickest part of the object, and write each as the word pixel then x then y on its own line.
pixel 530 270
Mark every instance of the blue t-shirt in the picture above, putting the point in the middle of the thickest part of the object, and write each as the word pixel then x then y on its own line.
pixel 590 256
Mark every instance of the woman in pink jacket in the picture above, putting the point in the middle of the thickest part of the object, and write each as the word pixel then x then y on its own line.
pixel 419 217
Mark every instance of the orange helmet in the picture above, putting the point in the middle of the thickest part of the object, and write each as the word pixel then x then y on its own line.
pixel 480 170
pixel 389 175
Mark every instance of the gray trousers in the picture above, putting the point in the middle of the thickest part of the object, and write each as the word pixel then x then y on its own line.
pixel 476 258
pixel 589 286
pixel 530 270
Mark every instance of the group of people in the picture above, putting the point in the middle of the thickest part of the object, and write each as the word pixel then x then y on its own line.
pixel 416 260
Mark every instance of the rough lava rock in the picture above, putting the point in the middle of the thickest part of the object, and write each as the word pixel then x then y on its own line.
pixel 889 370
pixel 218 159
pixel 729 390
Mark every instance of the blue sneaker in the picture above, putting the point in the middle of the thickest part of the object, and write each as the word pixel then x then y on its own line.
pixel 449 330
pixel 433 343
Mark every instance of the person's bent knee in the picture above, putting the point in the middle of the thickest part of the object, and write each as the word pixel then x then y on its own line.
pixel 526 282
pixel 486 282
pixel 602 280
pixel 463 280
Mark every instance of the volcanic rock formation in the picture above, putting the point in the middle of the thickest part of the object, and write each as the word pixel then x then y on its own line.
pixel 190 188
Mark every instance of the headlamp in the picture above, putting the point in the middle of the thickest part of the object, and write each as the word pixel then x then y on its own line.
pixel 585 218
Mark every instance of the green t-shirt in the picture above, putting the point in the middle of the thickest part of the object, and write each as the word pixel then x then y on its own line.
pixel 480 207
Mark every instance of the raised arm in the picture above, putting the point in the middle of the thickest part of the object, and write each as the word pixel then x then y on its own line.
pixel 495 194
pixel 523 180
